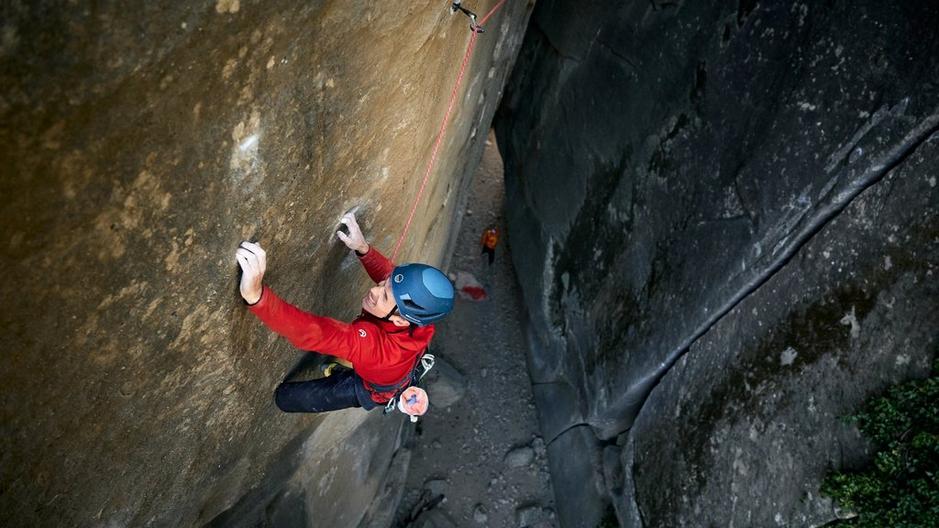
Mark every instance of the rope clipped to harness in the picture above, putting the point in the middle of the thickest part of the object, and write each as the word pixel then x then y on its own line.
pixel 413 400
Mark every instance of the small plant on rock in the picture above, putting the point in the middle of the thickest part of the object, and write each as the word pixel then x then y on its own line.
pixel 900 489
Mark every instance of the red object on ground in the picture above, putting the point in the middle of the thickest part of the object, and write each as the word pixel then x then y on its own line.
pixel 477 293
pixel 490 237
pixel 468 287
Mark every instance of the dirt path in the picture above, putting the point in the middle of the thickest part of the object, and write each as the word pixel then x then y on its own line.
pixel 481 461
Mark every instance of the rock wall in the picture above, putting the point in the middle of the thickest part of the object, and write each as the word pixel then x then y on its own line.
pixel 139 144
pixel 724 222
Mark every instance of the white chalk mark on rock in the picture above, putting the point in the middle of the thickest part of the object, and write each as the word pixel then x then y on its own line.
pixel 788 356
pixel 850 319
pixel 250 143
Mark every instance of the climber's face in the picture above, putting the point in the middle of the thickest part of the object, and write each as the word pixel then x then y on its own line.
pixel 379 300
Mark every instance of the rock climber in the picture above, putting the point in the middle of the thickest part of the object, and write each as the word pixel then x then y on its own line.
pixel 383 344
pixel 489 240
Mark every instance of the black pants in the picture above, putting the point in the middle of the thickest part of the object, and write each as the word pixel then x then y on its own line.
pixel 342 390
pixel 491 252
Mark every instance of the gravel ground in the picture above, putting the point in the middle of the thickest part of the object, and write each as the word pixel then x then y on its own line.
pixel 481 461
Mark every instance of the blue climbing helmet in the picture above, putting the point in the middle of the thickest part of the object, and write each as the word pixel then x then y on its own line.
pixel 423 293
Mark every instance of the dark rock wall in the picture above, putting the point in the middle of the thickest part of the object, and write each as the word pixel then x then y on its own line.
pixel 140 142
pixel 748 188
pixel 758 401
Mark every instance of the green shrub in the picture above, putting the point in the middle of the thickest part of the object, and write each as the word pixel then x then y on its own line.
pixel 900 489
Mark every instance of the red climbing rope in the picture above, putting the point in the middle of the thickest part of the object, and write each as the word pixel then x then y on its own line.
pixel 475 31
pixel 491 11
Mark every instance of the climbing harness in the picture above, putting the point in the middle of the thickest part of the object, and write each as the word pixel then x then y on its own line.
pixel 424 364
pixel 475 29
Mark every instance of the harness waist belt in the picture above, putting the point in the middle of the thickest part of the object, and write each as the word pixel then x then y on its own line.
pixel 388 388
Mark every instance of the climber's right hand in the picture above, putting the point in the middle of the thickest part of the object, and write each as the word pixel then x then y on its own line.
pixel 355 240
pixel 253 262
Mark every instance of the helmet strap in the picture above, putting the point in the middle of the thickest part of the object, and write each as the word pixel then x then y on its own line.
pixel 391 313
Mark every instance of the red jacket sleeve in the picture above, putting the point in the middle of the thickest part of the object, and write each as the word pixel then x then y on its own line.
pixel 376 265
pixel 307 331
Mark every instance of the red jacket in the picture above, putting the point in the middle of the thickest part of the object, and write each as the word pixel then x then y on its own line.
pixel 380 352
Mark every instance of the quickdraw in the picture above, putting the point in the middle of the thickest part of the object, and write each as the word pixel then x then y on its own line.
pixel 475 27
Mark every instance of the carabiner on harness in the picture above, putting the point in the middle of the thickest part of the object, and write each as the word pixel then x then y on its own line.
pixel 474 26
pixel 427 362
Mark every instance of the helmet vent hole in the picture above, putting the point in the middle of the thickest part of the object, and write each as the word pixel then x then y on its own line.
pixel 411 304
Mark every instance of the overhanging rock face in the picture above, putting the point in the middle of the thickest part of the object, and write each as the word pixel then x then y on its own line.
pixel 140 144
pixel 666 163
